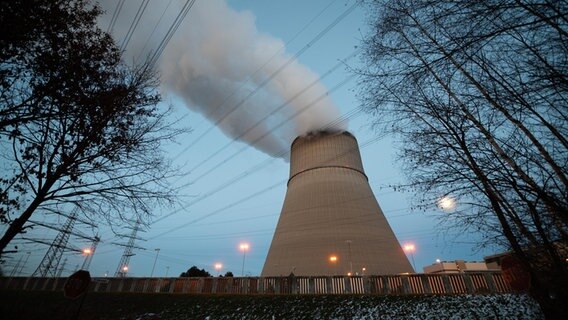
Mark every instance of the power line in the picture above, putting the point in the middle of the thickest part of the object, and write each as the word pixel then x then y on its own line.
pixel 134 24
pixel 257 167
pixel 155 27
pixel 171 31
pixel 282 123
pixel 50 262
pixel 115 15
pixel 254 195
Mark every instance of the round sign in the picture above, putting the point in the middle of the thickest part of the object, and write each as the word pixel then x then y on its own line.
pixel 514 274
pixel 77 284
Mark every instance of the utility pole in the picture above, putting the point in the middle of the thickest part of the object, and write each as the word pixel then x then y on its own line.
pixel 350 261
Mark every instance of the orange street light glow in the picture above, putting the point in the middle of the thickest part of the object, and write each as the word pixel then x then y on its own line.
pixel 409 247
pixel 87 251
pixel 333 258
pixel 125 268
pixel 218 266
pixel 244 246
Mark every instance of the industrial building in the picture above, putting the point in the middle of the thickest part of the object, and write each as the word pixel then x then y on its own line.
pixel 458 266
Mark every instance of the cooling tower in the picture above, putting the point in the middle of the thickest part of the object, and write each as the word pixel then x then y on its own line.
pixel 331 223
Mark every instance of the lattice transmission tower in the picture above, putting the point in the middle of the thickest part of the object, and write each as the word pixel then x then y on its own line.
pixel 50 262
pixel 48 266
pixel 123 265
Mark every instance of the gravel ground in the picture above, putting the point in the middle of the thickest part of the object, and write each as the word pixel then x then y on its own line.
pixel 52 305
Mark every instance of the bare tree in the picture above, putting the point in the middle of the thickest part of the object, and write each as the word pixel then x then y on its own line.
pixel 78 126
pixel 477 90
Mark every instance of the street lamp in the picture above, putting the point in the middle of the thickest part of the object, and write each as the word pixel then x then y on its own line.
pixel 218 267
pixel 87 252
pixel 244 248
pixel 333 260
pixel 350 260
pixel 410 248
pixel 155 260
pixel 124 271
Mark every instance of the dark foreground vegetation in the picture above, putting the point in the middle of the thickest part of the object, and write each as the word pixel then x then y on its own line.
pixel 52 305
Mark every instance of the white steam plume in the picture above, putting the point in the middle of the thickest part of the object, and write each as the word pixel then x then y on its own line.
pixel 217 58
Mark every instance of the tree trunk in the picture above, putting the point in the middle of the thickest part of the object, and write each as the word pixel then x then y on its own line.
pixel 18 223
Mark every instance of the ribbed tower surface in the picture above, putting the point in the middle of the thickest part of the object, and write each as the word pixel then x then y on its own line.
pixel 330 211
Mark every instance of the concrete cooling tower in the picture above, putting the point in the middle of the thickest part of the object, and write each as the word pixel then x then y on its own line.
pixel 331 223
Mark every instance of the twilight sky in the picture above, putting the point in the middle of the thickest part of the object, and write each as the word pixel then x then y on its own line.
pixel 262 58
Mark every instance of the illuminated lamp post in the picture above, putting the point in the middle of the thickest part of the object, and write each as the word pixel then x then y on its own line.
pixel 218 267
pixel 244 248
pixel 333 260
pixel 410 248
pixel 87 252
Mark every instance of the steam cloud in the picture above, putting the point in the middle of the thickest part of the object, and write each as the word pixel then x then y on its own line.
pixel 218 58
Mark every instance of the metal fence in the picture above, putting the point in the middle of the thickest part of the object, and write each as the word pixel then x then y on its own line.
pixel 408 284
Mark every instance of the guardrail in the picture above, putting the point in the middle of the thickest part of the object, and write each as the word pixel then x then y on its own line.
pixel 411 284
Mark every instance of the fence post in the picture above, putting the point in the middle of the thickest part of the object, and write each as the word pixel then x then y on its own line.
pixel 25 283
pixel 311 285
pixel 247 286
pixel 386 285
pixel 230 285
pixel 426 284
pixel 329 285
pixel 200 285
pixel 468 283
pixel 347 282
pixel 261 285
pixel 45 282
pixel 406 285
pixel 293 285
pixel 490 282
pixel 145 285
pixel 276 285
pixel 447 284
pixel 366 285
pixel 54 286
pixel 214 285
pixel 120 285
pixel 173 282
